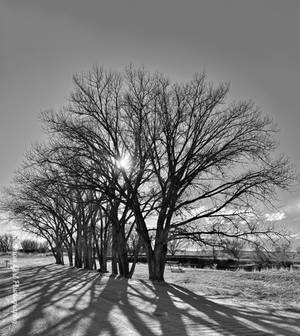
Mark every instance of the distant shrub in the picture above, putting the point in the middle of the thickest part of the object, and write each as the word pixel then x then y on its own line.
pixel 29 245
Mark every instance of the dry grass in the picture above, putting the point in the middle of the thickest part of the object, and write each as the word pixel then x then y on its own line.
pixel 273 286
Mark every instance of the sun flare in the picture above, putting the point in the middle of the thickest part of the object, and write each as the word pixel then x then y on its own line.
pixel 124 162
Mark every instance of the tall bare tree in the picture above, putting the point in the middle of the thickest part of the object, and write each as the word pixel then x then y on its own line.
pixel 211 162
pixel 176 157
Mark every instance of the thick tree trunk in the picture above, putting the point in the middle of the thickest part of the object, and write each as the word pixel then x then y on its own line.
pixel 102 260
pixel 122 252
pixel 58 259
pixel 94 258
pixel 87 248
pixel 120 263
pixel 78 251
pixel 101 253
pixel 70 255
pixel 59 256
pixel 119 248
pixel 156 262
pixel 135 257
pixel 89 259
pixel 156 257
pixel 114 251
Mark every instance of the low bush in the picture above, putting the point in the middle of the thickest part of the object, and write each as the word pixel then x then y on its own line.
pixel 29 245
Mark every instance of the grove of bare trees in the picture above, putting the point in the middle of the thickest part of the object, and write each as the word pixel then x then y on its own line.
pixel 135 161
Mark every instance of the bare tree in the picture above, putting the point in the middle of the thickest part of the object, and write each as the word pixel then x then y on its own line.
pixel 175 245
pixel 197 165
pixel 46 207
pixel 6 242
pixel 209 161
pixel 93 127
pixel 29 207
pixel 234 247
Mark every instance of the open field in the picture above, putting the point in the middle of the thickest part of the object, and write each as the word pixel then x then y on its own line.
pixel 274 286
pixel 60 300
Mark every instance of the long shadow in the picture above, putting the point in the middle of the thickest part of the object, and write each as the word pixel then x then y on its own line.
pixel 237 320
pixel 108 311
pixel 43 286
pixel 40 279
pixel 5 282
pixel 61 300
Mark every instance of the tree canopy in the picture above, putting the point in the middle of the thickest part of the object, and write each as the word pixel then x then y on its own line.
pixel 165 160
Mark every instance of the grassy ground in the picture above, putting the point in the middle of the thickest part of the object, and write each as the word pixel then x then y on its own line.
pixel 55 300
pixel 278 286
pixel 273 286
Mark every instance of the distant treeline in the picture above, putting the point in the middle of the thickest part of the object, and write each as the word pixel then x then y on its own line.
pixel 27 245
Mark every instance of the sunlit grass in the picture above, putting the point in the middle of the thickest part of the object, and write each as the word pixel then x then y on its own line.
pixel 275 286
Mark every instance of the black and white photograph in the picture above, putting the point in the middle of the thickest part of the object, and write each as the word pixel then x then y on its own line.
pixel 149 167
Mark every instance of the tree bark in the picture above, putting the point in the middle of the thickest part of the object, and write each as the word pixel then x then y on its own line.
pixel 156 262
pixel 70 255
pixel 87 248
pixel 78 251
pixel 120 263
pixel 135 257
pixel 114 254
pixel 59 256
pixel 122 252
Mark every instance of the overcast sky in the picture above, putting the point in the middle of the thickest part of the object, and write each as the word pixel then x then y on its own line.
pixel 253 44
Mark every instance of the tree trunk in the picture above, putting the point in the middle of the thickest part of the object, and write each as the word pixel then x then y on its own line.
pixel 120 263
pixel 156 262
pixel 70 255
pixel 101 253
pixel 119 248
pixel 94 258
pixel 69 249
pixel 114 251
pixel 103 261
pixel 78 251
pixel 87 248
pixel 156 257
pixel 122 252
pixel 135 257
pixel 59 256
pixel 97 252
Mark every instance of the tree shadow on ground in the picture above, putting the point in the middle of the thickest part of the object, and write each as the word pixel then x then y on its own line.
pixel 60 300
pixel 237 319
